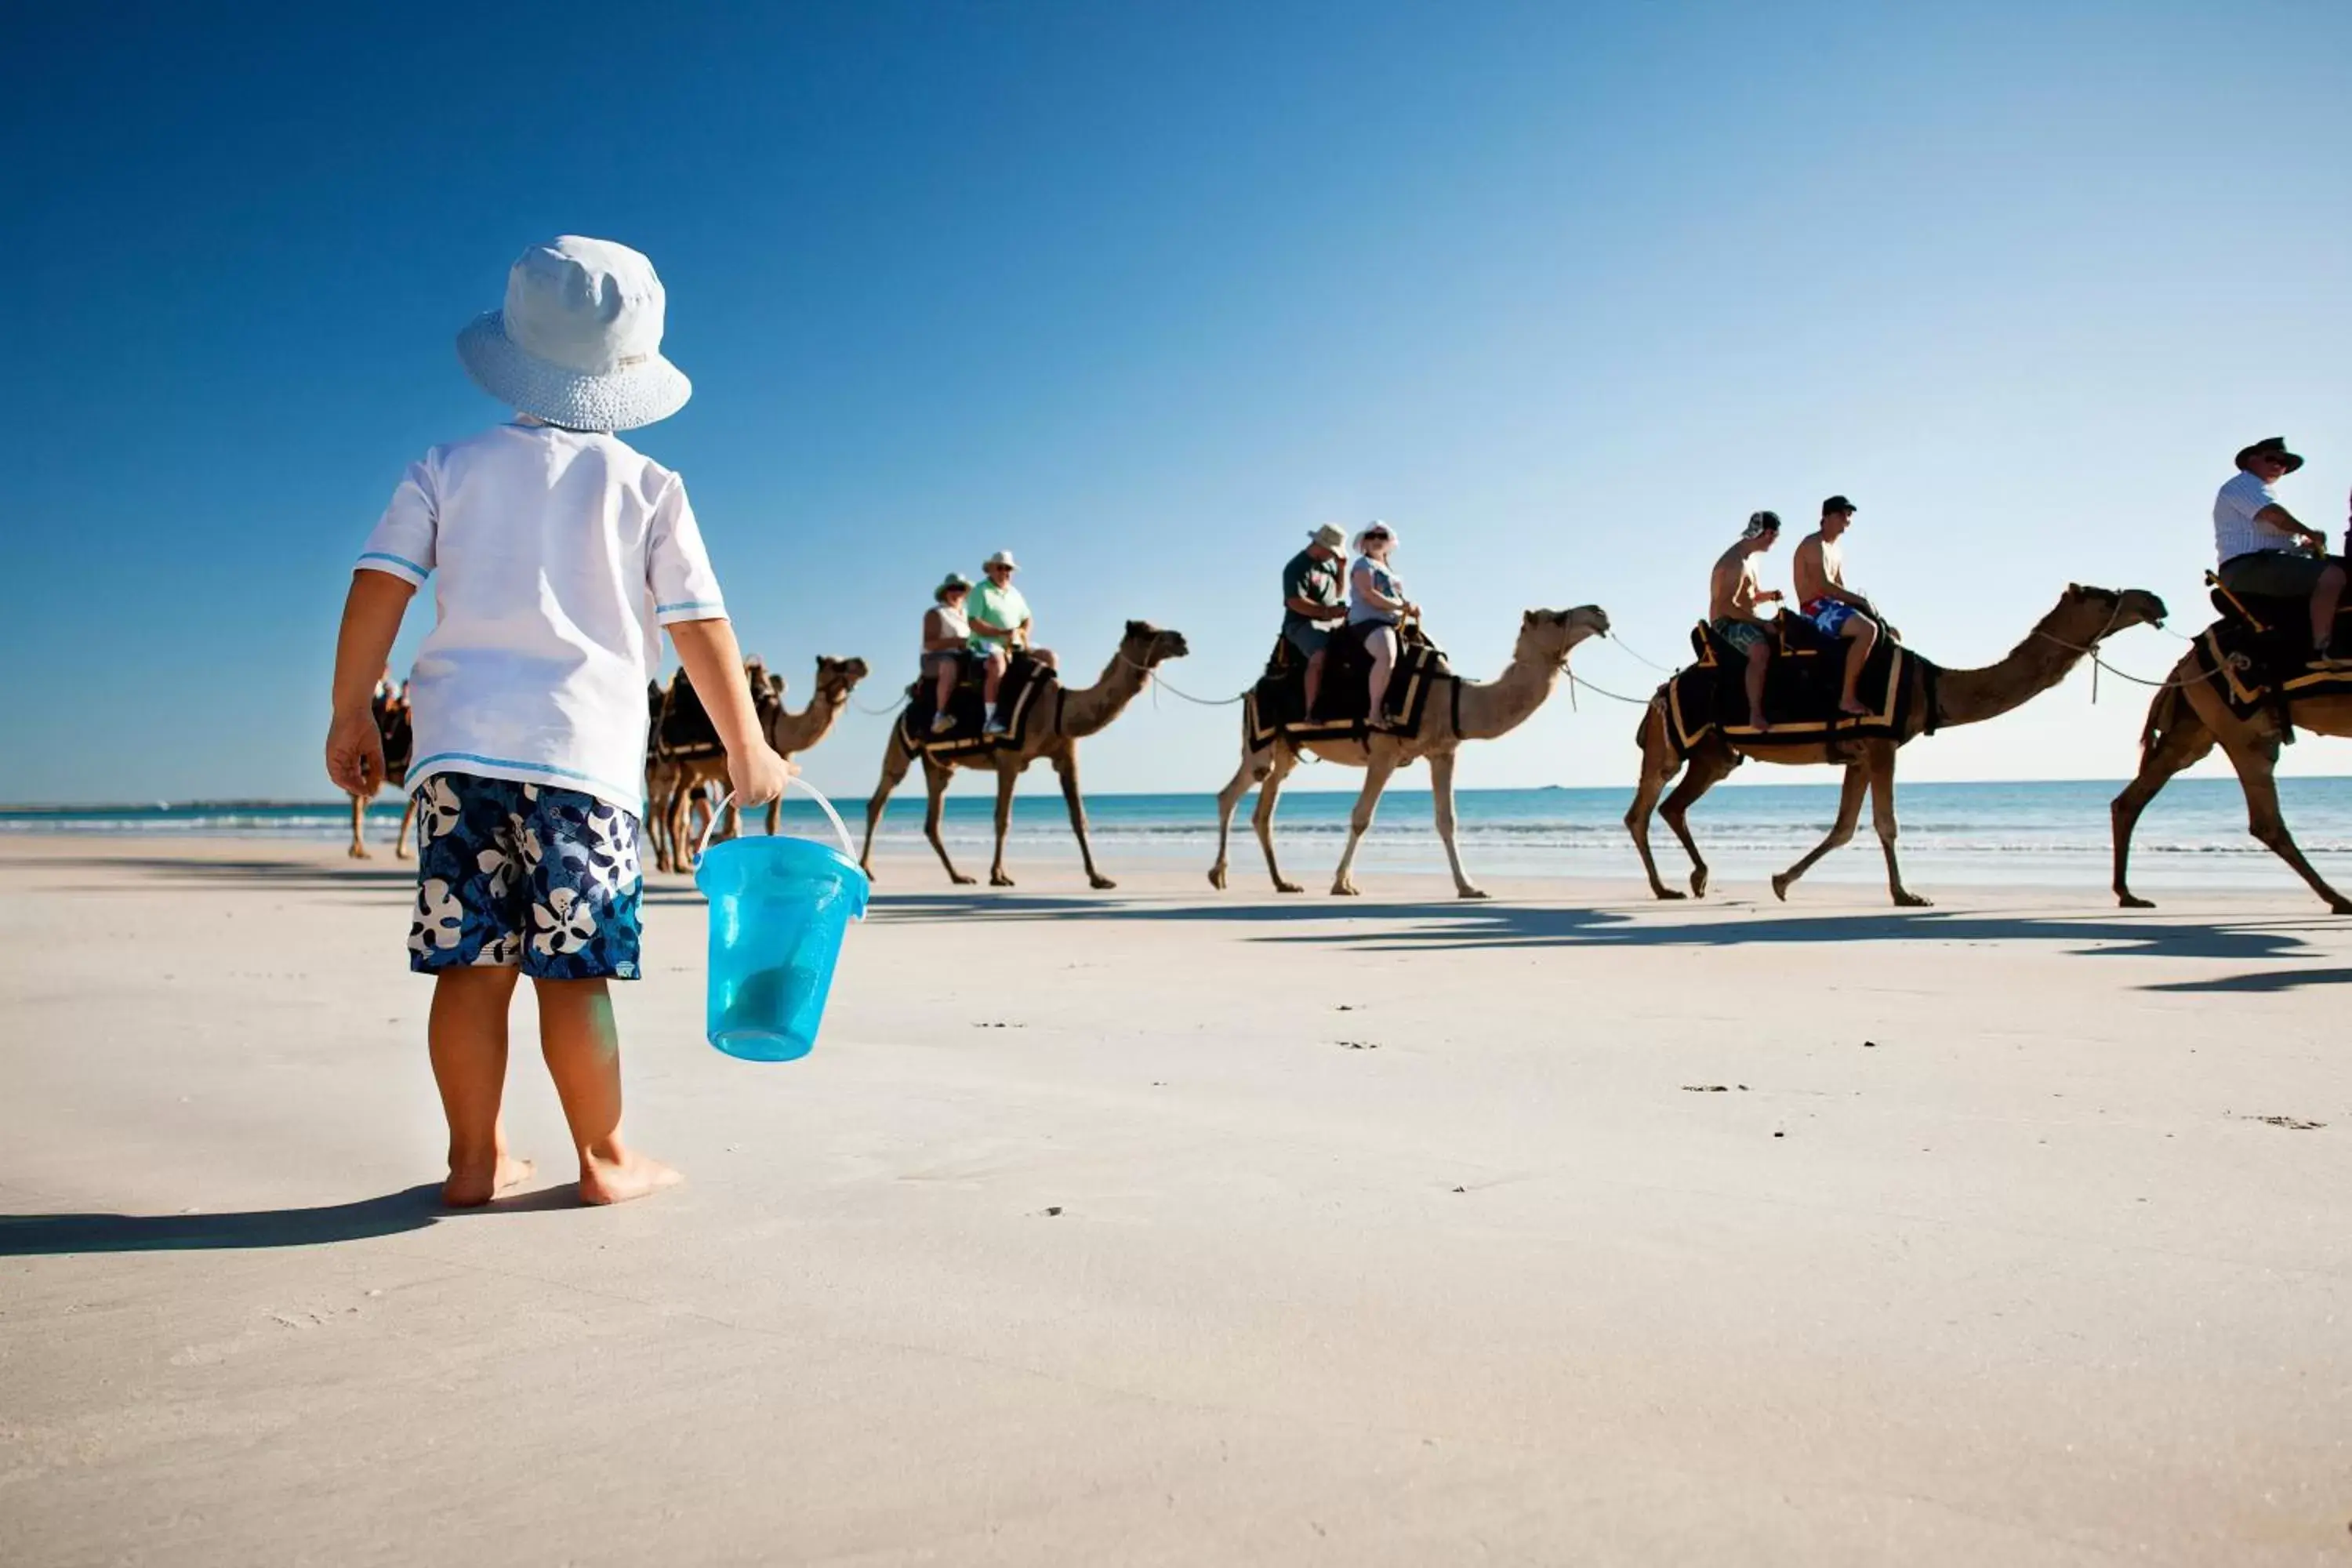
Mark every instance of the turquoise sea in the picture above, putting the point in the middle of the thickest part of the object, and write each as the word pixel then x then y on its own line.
pixel 2037 834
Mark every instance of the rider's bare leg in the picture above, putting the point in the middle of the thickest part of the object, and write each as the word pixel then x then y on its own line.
pixel 1862 634
pixel 1758 657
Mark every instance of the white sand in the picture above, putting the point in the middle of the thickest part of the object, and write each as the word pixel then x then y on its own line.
pixel 2025 1282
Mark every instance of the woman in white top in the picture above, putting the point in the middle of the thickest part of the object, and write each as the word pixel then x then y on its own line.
pixel 945 633
pixel 1376 597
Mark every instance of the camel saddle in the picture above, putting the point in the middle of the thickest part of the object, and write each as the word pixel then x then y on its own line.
pixel 2259 653
pixel 682 730
pixel 1278 703
pixel 399 732
pixel 1801 686
pixel 1027 683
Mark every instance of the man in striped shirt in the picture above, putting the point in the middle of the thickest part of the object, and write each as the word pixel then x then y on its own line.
pixel 2264 549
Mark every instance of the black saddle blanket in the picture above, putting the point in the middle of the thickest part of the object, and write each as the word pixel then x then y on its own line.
pixel 1801 686
pixel 2259 653
pixel 1278 703
pixel 399 733
pixel 682 730
pixel 1026 680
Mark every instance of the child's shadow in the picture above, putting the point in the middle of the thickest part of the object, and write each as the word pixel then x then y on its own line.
pixel 35 1235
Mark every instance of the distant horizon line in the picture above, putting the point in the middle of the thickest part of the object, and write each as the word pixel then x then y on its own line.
pixel 54 808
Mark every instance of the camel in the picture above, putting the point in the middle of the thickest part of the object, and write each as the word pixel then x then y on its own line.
pixel 1485 711
pixel 2083 619
pixel 399 737
pixel 671 781
pixel 792 733
pixel 2187 720
pixel 1052 734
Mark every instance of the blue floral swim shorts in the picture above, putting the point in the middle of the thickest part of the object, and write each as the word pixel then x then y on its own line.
pixel 524 875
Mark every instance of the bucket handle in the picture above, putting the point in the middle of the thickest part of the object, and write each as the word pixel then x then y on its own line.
pixel 718 809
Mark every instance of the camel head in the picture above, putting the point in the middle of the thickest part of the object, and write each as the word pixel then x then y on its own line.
pixel 836 677
pixel 1148 646
pixel 2101 611
pixel 1546 635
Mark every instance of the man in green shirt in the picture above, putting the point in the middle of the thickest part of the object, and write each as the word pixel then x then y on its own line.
pixel 1311 602
pixel 1000 628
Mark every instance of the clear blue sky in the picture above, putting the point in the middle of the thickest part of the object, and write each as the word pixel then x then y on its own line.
pixel 1144 293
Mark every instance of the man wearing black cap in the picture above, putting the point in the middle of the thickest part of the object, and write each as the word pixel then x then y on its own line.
pixel 2264 549
pixel 1733 593
pixel 1823 599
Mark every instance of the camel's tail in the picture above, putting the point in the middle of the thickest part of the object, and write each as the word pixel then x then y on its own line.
pixel 1657 709
pixel 2162 714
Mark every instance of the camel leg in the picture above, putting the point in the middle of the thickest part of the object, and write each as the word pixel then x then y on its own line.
pixel 1658 764
pixel 657 849
pixel 407 820
pixel 2182 741
pixel 935 806
pixel 1881 817
pixel 1378 765
pixel 1066 764
pixel 895 762
pixel 680 818
pixel 359 849
pixel 1006 779
pixel 1708 770
pixel 1261 820
pixel 1254 767
pixel 1849 812
pixel 2255 763
pixel 1441 797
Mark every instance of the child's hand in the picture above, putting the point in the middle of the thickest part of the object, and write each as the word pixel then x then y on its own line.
pixel 756 775
pixel 355 754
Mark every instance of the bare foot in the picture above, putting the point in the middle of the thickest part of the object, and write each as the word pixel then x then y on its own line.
pixel 1757 722
pixel 2132 901
pixel 359 852
pixel 1851 708
pixel 473 1187
pixel 1217 877
pixel 999 879
pixel 1288 888
pixel 1102 884
pixel 631 1175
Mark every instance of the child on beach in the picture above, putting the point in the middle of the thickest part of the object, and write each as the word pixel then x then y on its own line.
pixel 562 556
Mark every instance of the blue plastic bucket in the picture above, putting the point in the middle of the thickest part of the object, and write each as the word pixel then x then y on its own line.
pixel 778 909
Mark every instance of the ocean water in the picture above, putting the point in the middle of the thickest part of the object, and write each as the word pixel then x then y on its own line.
pixel 2052 835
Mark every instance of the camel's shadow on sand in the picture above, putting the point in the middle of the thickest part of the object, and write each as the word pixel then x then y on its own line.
pixel 1450 925
pixel 413 1208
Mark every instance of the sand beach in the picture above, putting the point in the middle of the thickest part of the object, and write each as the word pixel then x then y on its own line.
pixel 1156 1226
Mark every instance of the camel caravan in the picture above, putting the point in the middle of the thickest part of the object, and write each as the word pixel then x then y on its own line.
pixel 1354 679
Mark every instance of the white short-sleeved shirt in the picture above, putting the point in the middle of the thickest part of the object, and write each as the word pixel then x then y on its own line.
pixel 2236 532
pixel 557 557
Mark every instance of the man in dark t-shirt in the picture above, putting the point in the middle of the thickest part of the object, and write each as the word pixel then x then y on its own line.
pixel 1311 601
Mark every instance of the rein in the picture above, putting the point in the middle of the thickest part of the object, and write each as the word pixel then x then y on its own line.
pixel 2091 651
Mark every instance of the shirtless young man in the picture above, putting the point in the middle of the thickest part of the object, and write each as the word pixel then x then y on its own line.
pixel 1733 592
pixel 1822 597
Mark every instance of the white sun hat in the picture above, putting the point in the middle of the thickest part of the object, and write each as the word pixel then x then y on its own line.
pixel 579 342
pixel 1002 558
pixel 1375 526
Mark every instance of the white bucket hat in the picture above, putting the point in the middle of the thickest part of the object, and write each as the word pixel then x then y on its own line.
pixel 1328 536
pixel 1002 558
pixel 579 342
